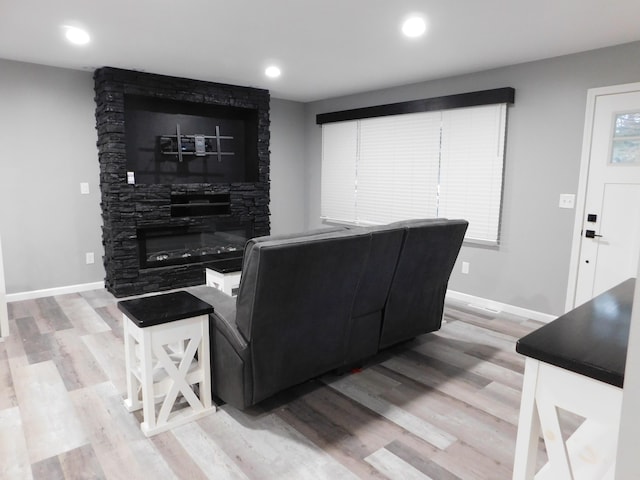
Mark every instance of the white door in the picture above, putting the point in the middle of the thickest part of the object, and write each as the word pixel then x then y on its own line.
pixel 610 228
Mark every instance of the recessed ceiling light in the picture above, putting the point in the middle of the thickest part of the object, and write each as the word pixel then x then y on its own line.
pixel 76 35
pixel 414 27
pixel 272 72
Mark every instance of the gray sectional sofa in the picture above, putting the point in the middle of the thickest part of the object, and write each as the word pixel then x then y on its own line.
pixel 324 300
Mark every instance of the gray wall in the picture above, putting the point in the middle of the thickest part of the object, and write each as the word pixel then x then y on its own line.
pixel 530 268
pixel 47 147
pixel 287 167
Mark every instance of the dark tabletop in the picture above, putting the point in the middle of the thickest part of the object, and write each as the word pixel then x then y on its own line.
pixel 227 265
pixel 590 340
pixel 163 308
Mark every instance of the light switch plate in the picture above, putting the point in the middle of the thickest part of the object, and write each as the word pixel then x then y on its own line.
pixel 84 188
pixel 567 200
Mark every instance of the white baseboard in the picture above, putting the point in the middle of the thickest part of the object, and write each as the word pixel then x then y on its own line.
pixel 494 306
pixel 50 292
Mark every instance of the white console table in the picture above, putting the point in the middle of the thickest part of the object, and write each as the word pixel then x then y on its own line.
pixel 575 363
pixel 4 314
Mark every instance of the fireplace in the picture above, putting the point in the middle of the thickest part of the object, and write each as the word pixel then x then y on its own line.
pixel 184 176
pixel 180 245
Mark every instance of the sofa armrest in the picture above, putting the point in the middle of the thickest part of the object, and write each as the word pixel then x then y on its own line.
pixel 223 318
pixel 226 325
pixel 230 352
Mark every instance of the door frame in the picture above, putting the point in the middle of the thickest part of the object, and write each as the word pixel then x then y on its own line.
pixel 581 196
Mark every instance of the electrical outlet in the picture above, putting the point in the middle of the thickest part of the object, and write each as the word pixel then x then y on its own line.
pixel 465 267
pixel 89 258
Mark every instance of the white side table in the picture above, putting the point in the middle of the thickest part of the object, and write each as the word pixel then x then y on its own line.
pixel 166 341
pixel 225 276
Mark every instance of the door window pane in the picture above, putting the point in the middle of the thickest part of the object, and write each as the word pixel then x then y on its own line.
pixel 625 145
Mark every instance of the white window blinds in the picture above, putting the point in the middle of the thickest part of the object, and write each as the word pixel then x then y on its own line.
pixel 397 168
pixel 338 185
pixel 471 161
pixel 421 165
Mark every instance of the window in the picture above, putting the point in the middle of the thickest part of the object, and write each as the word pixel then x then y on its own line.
pixel 446 163
pixel 625 144
pixel 339 154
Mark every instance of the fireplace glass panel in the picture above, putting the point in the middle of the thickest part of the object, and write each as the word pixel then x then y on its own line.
pixel 166 246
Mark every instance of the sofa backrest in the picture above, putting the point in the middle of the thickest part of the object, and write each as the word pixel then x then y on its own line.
pixel 416 297
pixel 287 236
pixel 294 305
pixel 386 241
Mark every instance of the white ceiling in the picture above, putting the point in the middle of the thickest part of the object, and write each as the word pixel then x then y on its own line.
pixel 325 48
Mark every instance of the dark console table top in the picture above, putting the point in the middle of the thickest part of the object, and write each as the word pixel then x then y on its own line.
pixel 163 308
pixel 590 340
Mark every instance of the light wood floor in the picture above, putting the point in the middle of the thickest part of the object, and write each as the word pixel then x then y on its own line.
pixel 444 406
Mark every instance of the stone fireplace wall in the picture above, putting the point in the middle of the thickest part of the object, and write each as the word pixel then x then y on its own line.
pixel 127 208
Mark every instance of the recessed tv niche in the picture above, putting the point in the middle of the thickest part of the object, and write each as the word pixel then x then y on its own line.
pixel 173 142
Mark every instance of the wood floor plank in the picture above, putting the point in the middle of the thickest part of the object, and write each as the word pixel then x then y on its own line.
pixel 16 356
pixel 37 346
pixel 506 324
pixel 77 366
pixel 508 359
pixel 351 386
pixel 206 452
pixel 415 458
pixel 348 434
pixel 98 298
pixel 469 363
pixel 17 309
pixel 473 333
pixel 51 423
pixel 14 458
pixel 112 317
pixel 269 448
pixel 429 376
pixel 81 463
pixel 48 314
pixel 7 393
pixel 487 434
pixel 81 315
pixel 120 447
pixel 177 457
pixel 469 464
pixel 47 469
pixel 462 311
pixel 505 401
pixel 108 351
pixel 394 467
pixel 472 397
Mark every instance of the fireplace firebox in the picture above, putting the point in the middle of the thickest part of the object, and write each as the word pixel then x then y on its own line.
pixel 179 245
